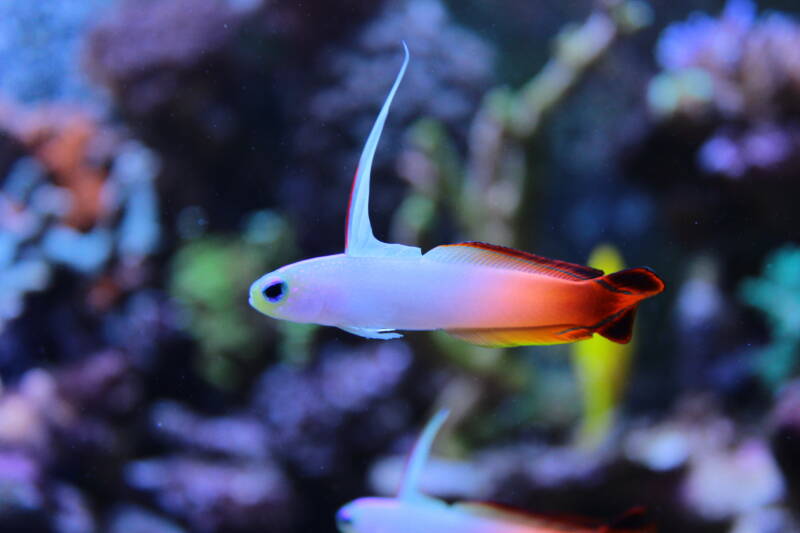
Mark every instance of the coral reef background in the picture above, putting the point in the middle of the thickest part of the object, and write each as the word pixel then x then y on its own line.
pixel 156 156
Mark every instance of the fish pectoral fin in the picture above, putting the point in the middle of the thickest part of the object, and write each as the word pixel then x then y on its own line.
pixel 508 337
pixel 384 334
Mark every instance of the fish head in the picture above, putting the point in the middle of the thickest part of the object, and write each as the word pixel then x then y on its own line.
pixel 294 292
pixel 346 518
pixel 392 515
pixel 370 514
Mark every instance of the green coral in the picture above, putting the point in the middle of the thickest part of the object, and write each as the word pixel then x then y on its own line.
pixel 210 278
pixel 777 295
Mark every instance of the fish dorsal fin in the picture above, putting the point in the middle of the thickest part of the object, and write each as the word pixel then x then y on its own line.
pixel 479 253
pixel 508 516
pixel 409 489
pixel 359 239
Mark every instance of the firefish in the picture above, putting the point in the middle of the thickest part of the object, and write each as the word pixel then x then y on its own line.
pixel 414 512
pixel 482 293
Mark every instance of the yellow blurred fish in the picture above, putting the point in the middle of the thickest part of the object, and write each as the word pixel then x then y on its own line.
pixel 601 367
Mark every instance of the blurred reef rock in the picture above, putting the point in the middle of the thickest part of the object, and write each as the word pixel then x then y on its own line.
pixel 725 108
pixel 40 49
pixel 79 215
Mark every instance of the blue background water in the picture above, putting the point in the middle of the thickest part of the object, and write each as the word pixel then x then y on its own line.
pixel 157 156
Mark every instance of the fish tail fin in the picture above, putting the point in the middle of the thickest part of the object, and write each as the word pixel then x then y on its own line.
pixel 632 286
pixel 638 283
pixel 635 520
pixel 619 326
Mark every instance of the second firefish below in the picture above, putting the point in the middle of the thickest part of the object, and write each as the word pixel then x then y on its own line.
pixel 485 294
pixel 414 512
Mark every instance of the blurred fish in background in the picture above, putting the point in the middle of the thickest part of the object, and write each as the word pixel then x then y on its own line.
pixel 601 367
pixel 413 511
pixel 158 155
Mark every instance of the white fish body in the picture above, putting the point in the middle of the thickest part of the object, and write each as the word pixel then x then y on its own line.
pixel 411 293
pixel 425 515
pixel 482 293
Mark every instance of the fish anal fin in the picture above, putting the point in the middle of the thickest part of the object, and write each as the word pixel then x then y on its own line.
pixel 490 255
pixel 536 522
pixel 508 337
pixel 502 514
pixel 633 521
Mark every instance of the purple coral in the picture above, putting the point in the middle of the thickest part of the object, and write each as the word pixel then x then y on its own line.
pixel 707 42
pixel 213 495
pixel 736 79
pixel 748 62
pixel 766 148
pixel 136 49
pixel 305 409
pixel 233 436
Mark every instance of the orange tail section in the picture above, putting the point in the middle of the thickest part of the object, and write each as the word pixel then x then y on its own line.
pixel 632 286
pixel 626 289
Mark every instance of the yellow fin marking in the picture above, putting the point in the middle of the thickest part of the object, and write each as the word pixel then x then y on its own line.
pixel 508 337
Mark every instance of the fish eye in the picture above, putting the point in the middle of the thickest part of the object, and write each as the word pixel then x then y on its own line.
pixel 274 292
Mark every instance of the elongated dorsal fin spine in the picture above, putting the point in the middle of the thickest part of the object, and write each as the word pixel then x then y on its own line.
pixel 359 239
pixel 419 454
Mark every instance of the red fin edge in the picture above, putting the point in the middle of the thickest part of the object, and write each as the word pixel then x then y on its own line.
pixel 639 281
pixel 620 327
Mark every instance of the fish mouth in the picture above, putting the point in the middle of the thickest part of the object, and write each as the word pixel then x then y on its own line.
pixel 344 520
pixel 250 299
pixel 253 295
